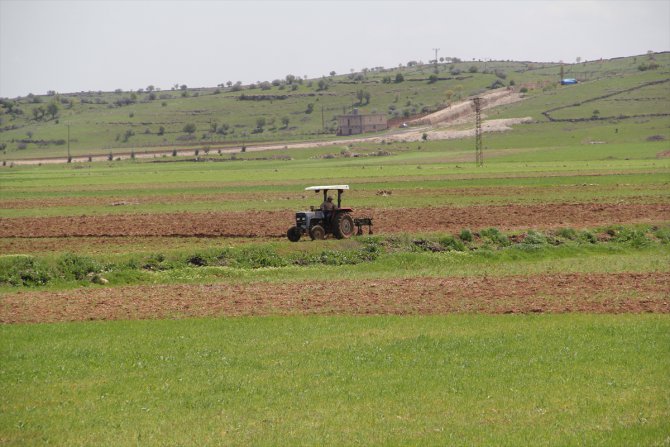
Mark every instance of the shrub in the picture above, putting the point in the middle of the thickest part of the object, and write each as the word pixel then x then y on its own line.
pixel 589 237
pixel 523 90
pixel 452 244
pixel 636 238
pixel 77 266
pixel 663 234
pixel 534 238
pixel 495 236
pixel 197 260
pixel 466 235
pixel 567 233
pixel 23 271
pixel 497 84
pixel 258 257
pixel 154 262
pixel 500 73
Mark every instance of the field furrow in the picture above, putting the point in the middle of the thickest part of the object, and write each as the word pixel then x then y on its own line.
pixel 275 223
pixel 560 293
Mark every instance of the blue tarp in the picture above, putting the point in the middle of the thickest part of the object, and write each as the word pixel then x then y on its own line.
pixel 568 81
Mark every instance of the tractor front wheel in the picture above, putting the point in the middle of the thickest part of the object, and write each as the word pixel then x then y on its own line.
pixel 293 234
pixel 344 226
pixel 317 233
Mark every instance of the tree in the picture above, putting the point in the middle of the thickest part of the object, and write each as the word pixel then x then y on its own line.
pixel 473 69
pixel 310 108
pixel 150 88
pixel 290 79
pixel 363 95
pixel 285 120
pixel 183 87
pixel 399 78
pixel 432 78
pixel 190 128
pixel 39 112
pixel 260 123
pixel 161 130
pixel 323 84
pixel 52 109
pixel 332 73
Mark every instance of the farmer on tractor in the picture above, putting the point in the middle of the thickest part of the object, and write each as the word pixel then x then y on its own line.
pixel 329 219
pixel 328 207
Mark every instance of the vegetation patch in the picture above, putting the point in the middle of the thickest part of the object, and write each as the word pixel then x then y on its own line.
pixel 73 270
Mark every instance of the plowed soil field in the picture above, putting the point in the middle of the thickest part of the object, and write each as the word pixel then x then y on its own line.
pixel 265 224
pixel 592 293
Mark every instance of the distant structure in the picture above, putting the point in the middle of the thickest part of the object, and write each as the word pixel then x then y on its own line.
pixel 568 81
pixel 355 123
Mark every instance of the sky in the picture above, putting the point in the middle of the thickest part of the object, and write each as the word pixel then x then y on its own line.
pixel 82 45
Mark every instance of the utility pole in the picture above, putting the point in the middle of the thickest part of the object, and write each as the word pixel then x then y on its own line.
pixel 479 154
pixel 69 158
pixel 436 50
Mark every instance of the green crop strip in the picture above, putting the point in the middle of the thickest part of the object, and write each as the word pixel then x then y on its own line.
pixel 374 256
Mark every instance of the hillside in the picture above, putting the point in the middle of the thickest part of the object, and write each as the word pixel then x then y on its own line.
pixel 303 110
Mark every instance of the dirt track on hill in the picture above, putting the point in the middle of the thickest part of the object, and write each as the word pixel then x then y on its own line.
pixel 590 293
pixel 275 223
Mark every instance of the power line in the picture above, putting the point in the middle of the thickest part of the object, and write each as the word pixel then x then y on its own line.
pixel 479 154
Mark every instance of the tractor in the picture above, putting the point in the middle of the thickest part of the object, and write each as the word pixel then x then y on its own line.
pixel 319 224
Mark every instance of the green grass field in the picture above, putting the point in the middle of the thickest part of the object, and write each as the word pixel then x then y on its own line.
pixel 456 380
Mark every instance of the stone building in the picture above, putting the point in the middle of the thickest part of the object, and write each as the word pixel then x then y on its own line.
pixel 356 123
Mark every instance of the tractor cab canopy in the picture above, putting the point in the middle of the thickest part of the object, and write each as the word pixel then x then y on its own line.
pixel 340 189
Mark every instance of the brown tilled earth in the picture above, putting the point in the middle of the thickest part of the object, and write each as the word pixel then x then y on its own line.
pixel 592 293
pixel 275 223
pixel 276 197
pixel 596 293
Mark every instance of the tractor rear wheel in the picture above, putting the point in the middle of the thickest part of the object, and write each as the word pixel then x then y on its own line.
pixel 317 233
pixel 293 234
pixel 344 226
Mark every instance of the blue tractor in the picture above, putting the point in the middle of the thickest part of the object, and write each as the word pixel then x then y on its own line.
pixel 319 223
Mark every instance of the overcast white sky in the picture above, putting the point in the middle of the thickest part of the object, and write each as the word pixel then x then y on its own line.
pixel 70 46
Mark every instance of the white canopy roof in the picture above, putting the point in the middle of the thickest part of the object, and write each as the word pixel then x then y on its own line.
pixel 319 188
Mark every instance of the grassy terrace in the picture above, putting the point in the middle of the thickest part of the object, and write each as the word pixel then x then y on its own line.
pixel 103 122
